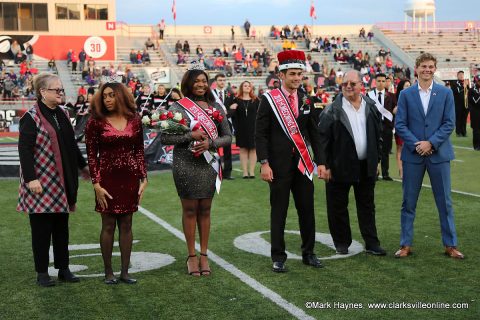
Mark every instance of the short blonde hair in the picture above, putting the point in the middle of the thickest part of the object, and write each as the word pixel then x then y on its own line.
pixel 41 81
pixel 425 57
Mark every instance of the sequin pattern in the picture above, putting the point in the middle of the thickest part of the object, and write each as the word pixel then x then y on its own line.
pixel 116 161
pixel 194 177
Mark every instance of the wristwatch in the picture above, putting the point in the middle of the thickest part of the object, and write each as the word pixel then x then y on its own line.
pixel 263 161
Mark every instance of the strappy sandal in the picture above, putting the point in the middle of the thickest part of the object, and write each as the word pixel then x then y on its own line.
pixel 194 273
pixel 205 272
pixel 110 281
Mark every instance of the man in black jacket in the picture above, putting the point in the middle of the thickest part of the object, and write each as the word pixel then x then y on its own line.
pixel 225 99
pixel 459 88
pixel 284 121
pixel 350 149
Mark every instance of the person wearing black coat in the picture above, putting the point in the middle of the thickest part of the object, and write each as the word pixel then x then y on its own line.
pixel 350 150
pixel 279 158
pixel 474 105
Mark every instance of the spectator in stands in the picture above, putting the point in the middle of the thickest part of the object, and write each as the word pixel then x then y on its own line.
pixel 139 57
pixel 389 64
pixel 29 51
pixel 253 33
pixel 133 56
pixel 225 51
pixel 181 59
pixel 82 91
pixel 146 57
pixel 246 26
pixel 15 49
pixel 199 51
pixel 149 44
pixel 346 43
pixel 232 30
pixel 178 46
pixel 161 28
pixel 74 59
pixel 361 34
pixel 8 86
pixel 186 47
pixel 228 70
pixel 69 57
pixel 82 57
pixel 370 36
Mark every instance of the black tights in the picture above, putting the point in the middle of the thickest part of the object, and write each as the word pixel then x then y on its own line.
pixel 109 222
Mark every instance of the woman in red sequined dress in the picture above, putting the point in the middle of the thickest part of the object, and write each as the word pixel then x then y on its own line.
pixel 114 140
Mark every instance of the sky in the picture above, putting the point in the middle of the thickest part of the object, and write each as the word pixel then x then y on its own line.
pixel 279 12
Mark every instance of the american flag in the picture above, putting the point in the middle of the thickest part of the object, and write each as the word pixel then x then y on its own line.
pixel 174 11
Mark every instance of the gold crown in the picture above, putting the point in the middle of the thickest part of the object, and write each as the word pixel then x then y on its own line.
pixel 196 65
pixel 112 79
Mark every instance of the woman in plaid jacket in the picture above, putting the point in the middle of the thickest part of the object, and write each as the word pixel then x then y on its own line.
pixel 49 163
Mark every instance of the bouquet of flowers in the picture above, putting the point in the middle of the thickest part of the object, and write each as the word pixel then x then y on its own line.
pixel 166 122
pixel 217 118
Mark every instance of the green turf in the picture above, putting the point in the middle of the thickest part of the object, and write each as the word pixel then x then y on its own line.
pixel 242 207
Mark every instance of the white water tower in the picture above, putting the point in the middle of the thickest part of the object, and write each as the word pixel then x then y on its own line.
pixel 419 10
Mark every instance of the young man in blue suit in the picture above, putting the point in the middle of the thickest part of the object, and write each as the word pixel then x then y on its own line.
pixel 425 119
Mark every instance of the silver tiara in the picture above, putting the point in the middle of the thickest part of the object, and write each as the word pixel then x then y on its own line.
pixel 196 65
pixel 112 79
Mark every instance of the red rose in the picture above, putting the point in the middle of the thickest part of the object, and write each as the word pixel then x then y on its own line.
pixel 153 123
pixel 183 122
pixel 216 114
pixel 163 116
pixel 170 115
pixel 307 101
pixel 220 118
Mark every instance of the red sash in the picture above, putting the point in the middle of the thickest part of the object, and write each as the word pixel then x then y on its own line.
pixel 285 117
pixel 197 114
pixel 201 116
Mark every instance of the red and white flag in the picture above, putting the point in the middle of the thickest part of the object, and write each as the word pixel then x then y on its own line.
pixel 174 10
pixel 312 11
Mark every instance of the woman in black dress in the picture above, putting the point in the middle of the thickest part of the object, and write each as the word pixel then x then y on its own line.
pixel 194 177
pixel 244 113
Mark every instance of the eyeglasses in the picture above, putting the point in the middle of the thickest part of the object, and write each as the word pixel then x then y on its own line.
pixel 57 90
pixel 349 83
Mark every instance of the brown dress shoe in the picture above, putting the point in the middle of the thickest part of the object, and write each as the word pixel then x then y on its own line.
pixel 404 251
pixel 452 252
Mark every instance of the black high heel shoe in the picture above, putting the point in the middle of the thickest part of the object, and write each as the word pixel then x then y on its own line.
pixel 205 272
pixel 195 273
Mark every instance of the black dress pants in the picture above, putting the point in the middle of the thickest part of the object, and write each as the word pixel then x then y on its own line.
pixel 302 190
pixel 461 114
pixel 387 136
pixel 337 209
pixel 227 161
pixel 476 138
pixel 46 226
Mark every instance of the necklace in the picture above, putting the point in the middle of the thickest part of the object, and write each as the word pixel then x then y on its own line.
pixel 246 103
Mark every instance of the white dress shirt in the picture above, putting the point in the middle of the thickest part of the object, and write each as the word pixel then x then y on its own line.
pixel 425 96
pixel 358 122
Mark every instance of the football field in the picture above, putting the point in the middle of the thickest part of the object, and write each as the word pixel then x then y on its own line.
pixel 427 285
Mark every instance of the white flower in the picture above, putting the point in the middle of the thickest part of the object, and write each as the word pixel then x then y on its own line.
pixel 164 124
pixel 155 116
pixel 177 116
pixel 146 120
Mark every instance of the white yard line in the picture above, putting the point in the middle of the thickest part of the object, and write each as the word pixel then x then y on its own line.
pixel 464 148
pixel 453 191
pixel 245 278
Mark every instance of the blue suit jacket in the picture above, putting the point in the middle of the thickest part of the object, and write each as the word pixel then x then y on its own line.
pixel 412 125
